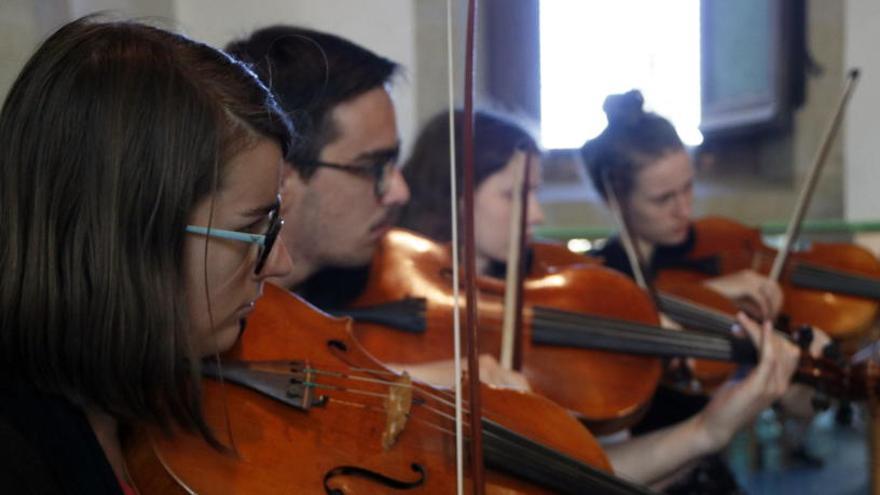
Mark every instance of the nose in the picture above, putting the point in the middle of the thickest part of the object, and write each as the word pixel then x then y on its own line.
pixel 278 264
pixel 398 190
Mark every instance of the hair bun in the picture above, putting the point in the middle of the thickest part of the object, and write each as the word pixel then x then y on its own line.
pixel 624 109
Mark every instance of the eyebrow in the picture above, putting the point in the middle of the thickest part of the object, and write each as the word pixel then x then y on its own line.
pixel 392 152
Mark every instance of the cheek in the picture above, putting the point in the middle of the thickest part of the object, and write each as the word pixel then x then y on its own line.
pixel 222 278
pixel 492 227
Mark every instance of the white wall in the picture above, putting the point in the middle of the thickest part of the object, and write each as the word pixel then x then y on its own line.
pixel 384 26
pixel 862 134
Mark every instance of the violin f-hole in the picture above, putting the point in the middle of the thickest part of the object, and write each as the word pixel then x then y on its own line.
pixel 374 476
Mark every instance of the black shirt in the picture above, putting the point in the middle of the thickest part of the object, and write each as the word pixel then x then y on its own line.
pixel 614 256
pixel 334 288
pixel 47 446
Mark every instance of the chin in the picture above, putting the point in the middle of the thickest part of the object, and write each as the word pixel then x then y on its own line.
pixel 225 338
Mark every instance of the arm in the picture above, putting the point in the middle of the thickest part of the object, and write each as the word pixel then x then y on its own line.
pixel 654 456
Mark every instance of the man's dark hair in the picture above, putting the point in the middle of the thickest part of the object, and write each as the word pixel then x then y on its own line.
pixel 311 73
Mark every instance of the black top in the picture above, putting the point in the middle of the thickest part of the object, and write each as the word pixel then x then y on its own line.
pixel 48 447
pixel 614 256
pixel 334 288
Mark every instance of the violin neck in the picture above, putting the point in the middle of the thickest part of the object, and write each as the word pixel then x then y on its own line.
pixel 694 316
pixel 561 328
pixel 816 277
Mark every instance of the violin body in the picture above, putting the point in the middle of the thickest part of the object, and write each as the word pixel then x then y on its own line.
pixel 548 257
pixel 340 432
pixel 606 390
pixel 731 247
pixel 707 375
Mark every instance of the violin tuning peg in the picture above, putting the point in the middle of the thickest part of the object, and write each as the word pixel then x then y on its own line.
pixel 804 336
pixel 820 402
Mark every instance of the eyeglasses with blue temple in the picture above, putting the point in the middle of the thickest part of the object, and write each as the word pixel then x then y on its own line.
pixel 264 241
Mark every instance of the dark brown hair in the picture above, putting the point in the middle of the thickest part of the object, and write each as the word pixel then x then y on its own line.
pixel 110 135
pixel 426 171
pixel 311 73
pixel 631 140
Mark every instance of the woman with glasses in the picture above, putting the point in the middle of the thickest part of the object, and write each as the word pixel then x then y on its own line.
pixel 139 177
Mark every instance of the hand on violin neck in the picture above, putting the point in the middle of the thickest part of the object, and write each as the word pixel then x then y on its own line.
pixel 756 294
pixel 798 400
pixel 738 402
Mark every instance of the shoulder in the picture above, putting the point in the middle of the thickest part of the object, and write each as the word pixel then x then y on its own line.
pixel 613 255
pixel 22 470
pixel 334 287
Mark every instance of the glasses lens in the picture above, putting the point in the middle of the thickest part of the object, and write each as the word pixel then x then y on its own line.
pixel 275 224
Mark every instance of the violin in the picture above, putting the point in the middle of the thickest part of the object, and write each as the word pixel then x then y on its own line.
pixel 552 329
pixel 308 411
pixel 612 390
pixel 833 286
pixel 693 305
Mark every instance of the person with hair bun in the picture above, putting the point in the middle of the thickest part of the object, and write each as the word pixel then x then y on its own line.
pixel 658 457
pixel 641 157
pixel 139 180
pixel 645 162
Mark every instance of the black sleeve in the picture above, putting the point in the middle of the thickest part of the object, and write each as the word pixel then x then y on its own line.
pixel 21 469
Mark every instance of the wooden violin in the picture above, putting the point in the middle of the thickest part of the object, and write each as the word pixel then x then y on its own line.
pixel 835 287
pixel 308 411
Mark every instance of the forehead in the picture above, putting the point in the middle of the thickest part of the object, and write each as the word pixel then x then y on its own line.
pixel 363 124
pixel 671 172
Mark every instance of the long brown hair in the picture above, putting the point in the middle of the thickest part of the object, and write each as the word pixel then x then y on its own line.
pixel 110 135
pixel 496 138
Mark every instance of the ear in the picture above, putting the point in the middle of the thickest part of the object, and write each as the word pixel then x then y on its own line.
pixel 291 184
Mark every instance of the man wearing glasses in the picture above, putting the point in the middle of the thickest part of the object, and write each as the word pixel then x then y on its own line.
pixel 343 188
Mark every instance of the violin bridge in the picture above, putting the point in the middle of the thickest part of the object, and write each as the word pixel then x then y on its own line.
pixel 398 404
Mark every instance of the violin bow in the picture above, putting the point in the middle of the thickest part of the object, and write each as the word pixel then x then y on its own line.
pixel 456 297
pixel 633 255
pixel 511 329
pixel 471 338
pixel 806 194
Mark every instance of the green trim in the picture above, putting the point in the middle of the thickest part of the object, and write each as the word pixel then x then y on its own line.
pixel 809 227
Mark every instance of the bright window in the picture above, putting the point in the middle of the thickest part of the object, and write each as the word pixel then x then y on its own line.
pixel 593 48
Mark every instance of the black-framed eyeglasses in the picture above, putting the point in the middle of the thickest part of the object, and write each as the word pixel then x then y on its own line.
pixel 380 170
pixel 265 241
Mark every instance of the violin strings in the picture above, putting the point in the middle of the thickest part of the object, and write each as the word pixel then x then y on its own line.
pixel 503 444
pixel 619 331
pixel 822 278
pixel 704 318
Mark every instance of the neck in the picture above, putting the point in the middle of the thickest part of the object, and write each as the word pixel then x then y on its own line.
pixel 644 248
pixel 106 430
pixel 303 268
